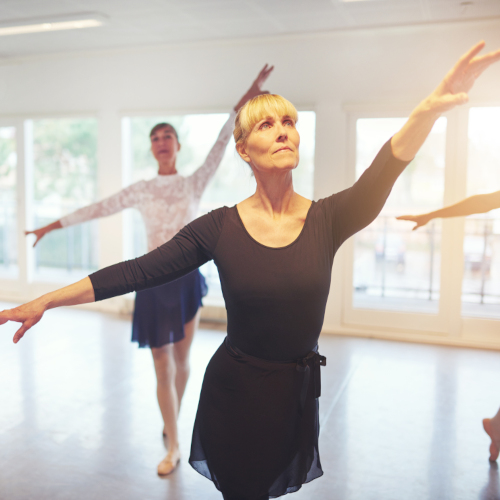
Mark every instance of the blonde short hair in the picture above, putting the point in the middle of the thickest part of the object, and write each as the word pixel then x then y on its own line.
pixel 257 109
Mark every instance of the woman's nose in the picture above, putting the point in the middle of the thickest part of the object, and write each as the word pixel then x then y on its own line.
pixel 282 133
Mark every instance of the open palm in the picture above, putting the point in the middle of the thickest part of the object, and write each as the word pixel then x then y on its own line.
pixel 459 80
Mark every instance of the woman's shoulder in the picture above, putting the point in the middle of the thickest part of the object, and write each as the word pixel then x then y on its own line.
pixel 215 217
pixel 328 205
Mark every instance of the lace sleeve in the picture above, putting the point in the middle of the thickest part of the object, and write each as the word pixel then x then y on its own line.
pixel 126 198
pixel 202 176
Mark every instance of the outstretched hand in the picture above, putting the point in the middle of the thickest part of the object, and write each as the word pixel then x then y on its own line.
pixel 454 88
pixel 28 314
pixel 256 87
pixel 42 231
pixel 420 220
pixel 39 233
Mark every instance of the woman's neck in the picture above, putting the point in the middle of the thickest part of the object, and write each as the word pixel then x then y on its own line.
pixel 274 194
pixel 167 168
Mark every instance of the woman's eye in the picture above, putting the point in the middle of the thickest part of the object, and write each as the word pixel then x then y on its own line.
pixel 289 123
pixel 265 125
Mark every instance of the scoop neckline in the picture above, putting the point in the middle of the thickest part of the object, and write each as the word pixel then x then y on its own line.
pixel 274 248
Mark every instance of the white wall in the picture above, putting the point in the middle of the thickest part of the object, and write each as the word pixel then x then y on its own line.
pixel 324 72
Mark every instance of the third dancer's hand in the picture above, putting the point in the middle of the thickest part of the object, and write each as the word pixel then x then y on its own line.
pixel 256 87
pixel 420 220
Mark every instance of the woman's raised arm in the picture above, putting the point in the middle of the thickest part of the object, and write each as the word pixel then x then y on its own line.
pixel 451 92
pixel 203 174
pixel 360 204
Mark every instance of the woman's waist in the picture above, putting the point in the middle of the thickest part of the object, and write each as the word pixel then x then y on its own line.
pixel 257 356
pixel 306 367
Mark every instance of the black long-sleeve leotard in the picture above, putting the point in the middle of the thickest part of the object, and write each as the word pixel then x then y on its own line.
pixel 275 297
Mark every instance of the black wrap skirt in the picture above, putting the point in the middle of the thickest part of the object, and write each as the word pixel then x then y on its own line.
pixel 160 313
pixel 256 430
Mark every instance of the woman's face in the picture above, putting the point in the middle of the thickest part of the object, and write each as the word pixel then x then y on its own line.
pixel 272 145
pixel 164 145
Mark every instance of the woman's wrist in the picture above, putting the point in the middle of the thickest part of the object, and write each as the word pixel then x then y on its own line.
pixel 425 110
pixel 55 225
pixel 44 302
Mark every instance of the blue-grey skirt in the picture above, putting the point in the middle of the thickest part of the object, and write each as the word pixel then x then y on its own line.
pixel 160 313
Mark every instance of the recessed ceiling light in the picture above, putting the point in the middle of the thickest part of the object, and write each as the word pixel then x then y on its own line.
pixel 57 23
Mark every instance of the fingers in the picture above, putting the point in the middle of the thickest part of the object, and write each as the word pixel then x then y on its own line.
pixel 486 59
pixel 411 218
pixel 464 61
pixel 479 64
pixel 20 333
pixel 264 74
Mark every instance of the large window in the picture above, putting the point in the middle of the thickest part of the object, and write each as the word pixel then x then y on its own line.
pixel 65 179
pixel 232 182
pixel 395 268
pixel 481 282
pixel 8 200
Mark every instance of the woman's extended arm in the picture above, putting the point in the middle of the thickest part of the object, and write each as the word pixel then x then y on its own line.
pixel 191 247
pixel 31 313
pixel 359 205
pixel 126 198
pixel 478 204
pixel 203 174
pixel 451 92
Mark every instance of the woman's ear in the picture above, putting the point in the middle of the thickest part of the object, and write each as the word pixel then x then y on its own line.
pixel 240 147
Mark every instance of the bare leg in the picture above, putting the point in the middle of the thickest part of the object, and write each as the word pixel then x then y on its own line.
pixel 165 368
pixel 492 428
pixel 181 355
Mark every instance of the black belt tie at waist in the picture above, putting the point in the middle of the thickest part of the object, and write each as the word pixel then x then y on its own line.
pixel 304 365
pixel 311 362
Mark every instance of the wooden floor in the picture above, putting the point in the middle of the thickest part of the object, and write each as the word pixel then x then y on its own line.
pixel 79 419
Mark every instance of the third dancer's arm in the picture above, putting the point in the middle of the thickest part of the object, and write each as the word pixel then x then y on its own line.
pixel 477 204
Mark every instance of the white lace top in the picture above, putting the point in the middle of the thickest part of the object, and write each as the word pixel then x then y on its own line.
pixel 167 203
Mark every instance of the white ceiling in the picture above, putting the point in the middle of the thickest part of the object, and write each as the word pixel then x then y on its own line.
pixel 148 22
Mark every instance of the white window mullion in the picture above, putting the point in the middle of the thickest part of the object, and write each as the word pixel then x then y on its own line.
pixel 453 229
pixel 24 131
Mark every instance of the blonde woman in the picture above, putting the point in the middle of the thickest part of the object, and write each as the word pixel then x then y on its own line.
pixel 256 429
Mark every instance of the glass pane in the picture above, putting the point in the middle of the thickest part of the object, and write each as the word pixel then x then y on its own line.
pixel 481 282
pixel 65 179
pixel 232 182
pixel 8 199
pixel 396 268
